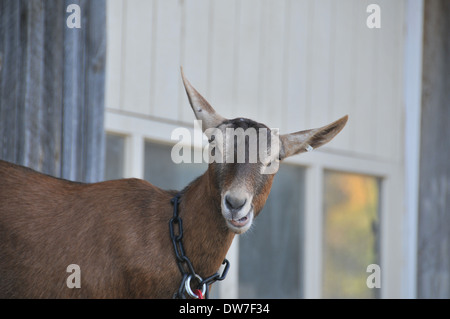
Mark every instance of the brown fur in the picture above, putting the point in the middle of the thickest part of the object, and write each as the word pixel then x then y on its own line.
pixel 116 231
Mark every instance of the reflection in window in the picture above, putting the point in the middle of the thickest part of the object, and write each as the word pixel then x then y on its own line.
pixel 161 171
pixel 350 244
pixel 114 157
pixel 270 252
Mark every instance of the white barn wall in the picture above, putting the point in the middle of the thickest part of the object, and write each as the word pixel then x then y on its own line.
pixel 195 53
pixel 137 63
pixel 293 64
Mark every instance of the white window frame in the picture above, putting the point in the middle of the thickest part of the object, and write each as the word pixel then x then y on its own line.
pixel 138 128
pixel 413 101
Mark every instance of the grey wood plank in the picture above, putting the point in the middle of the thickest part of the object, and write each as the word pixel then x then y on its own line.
pixel 94 94
pixel 53 79
pixel 434 187
pixel 52 87
pixel 10 83
pixel 32 67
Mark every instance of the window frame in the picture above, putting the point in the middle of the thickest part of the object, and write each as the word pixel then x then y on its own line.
pixel 138 128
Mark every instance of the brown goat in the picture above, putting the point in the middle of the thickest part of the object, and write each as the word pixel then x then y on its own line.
pixel 117 231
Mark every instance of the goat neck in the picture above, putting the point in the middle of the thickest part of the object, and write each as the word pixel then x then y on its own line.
pixel 206 237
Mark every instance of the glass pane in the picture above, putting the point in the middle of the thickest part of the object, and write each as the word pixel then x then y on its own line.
pixel 270 252
pixel 351 224
pixel 114 157
pixel 162 172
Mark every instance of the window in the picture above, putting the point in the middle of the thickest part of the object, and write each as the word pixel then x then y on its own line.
pixel 114 156
pixel 351 234
pixel 161 171
pixel 270 252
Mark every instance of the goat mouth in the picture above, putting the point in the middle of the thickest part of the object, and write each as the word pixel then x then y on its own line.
pixel 241 222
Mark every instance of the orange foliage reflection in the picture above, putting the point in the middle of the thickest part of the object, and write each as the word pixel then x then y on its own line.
pixel 350 234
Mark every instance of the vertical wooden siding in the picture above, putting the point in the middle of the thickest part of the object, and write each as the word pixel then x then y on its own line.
pixel 433 260
pixel 293 64
pixel 52 87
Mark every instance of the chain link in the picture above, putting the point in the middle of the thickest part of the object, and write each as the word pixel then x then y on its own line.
pixel 184 264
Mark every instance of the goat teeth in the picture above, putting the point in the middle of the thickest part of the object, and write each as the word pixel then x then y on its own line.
pixel 241 221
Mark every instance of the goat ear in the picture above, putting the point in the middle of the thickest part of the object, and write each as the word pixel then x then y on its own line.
pixel 299 142
pixel 202 109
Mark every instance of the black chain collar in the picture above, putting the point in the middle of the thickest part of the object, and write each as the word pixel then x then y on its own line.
pixel 184 264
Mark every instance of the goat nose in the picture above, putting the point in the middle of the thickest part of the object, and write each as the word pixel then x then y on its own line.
pixel 234 203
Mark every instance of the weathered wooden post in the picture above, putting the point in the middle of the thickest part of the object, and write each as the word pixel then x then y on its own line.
pixel 433 278
pixel 52 87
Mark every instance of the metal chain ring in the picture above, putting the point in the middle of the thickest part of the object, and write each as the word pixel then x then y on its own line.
pixel 187 285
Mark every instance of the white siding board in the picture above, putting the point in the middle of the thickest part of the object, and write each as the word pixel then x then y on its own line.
pixel 113 77
pixel 194 54
pixel 389 143
pixel 343 65
pixel 167 60
pixel 364 107
pixel 398 122
pixel 271 63
pixel 377 108
pixel 136 68
pixel 351 85
pixel 320 62
pixel 248 55
pixel 221 70
pixel 296 80
pixel 387 73
pixel 379 102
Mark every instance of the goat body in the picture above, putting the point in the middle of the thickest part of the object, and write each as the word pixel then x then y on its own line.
pixel 116 231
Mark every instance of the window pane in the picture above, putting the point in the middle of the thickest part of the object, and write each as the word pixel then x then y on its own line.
pixel 269 253
pixel 351 223
pixel 114 156
pixel 161 171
